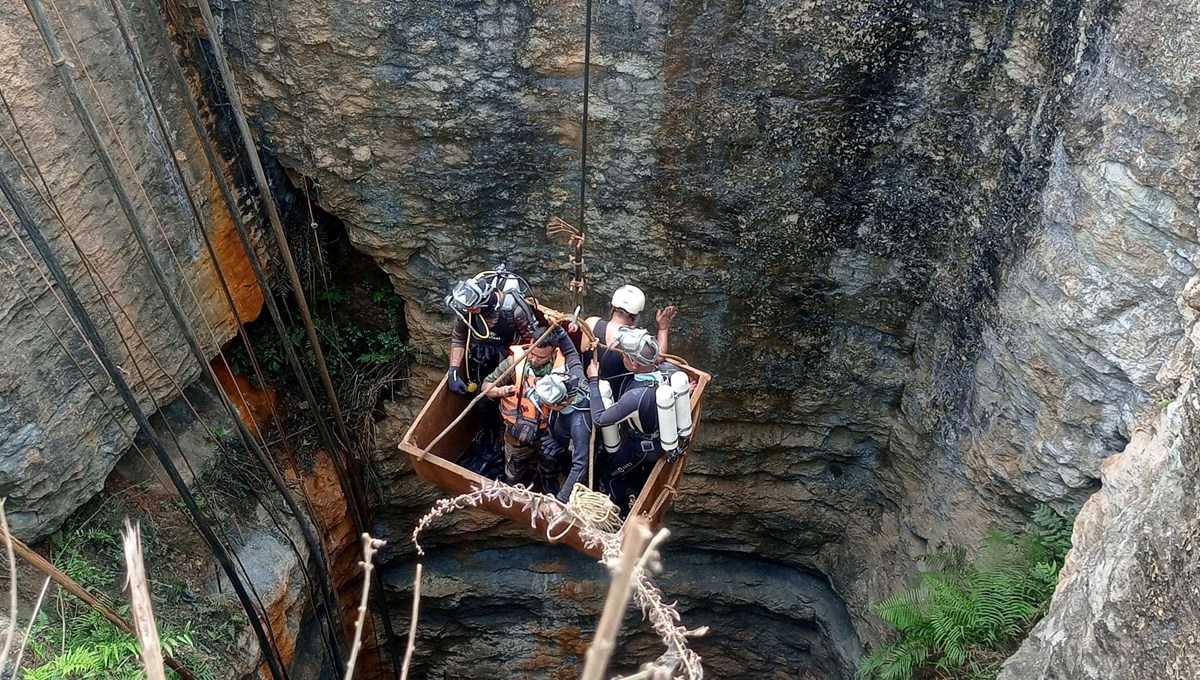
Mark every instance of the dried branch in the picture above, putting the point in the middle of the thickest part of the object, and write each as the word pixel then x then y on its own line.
pixel 71 586
pixel 143 609
pixel 637 536
pixel 678 660
pixel 37 608
pixel 412 624
pixel 370 547
pixel 12 587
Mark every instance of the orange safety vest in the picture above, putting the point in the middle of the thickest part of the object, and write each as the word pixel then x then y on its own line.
pixel 518 404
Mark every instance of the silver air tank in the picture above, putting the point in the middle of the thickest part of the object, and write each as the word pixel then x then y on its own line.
pixel 683 403
pixel 611 434
pixel 668 434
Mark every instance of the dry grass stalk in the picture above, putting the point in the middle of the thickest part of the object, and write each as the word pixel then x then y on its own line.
pixel 37 607
pixel 678 660
pixel 370 547
pixel 71 586
pixel 412 623
pixel 143 610
pixel 637 536
pixel 12 588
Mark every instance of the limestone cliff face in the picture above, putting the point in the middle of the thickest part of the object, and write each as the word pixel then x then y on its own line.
pixel 869 214
pixel 1084 323
pixel 58 440
pixel 1124 606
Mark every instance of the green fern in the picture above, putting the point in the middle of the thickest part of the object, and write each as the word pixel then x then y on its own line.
pixel 75 641
pixel 966 613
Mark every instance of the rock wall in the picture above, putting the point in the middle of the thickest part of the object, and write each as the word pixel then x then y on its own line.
pixel 928 250
pixel 1123 607
pixel 1084 323
pixel 58 439
pixel 852 204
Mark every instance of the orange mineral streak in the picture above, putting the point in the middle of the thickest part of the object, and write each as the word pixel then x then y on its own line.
pixel 253 403
pixel 234 263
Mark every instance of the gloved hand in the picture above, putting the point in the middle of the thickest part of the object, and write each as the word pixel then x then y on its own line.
pixel 679 451
pixel 454 382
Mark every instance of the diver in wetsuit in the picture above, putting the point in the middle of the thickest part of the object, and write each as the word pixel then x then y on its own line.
pixel 627 302
pixel 567 441
pixel 625 470
pixel 494 315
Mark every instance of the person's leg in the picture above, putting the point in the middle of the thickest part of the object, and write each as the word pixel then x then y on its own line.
pixel 517 460
pixel 549 468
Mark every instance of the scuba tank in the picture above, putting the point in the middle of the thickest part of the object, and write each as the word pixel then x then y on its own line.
pixel 611 434
pixel 668 433
pixel 683 403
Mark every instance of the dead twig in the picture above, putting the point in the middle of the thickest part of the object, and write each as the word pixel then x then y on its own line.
pixel 637 536
pixel 143 610
pixel 37 608
pixel 369 546
pixel 12 587
pixel 412 624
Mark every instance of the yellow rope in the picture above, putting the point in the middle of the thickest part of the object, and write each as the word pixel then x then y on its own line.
pixel 595 507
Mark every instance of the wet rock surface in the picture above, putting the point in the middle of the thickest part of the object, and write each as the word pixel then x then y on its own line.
pixel 530 612
pixel 1085 322
pixel 58 439
pixel 931 252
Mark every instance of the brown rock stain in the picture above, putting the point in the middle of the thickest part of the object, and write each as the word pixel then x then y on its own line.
pixel 552 567
pixel 254 405
pixel 553 648
pixel 233 261
pixel 580 591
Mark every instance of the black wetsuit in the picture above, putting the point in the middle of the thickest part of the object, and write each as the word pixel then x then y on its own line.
pixel 505 328
pixel 565 445
pixel 612 366
pixel 626 470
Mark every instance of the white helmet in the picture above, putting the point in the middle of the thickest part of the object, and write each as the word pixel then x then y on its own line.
pixel 552 389
pixel 637 344
pixel 630 299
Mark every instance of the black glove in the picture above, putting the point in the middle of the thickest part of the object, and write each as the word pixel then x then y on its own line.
pixel 455 383
pixel 679 450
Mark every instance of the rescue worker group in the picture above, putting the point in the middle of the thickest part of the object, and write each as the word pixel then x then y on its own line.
pixel 536 422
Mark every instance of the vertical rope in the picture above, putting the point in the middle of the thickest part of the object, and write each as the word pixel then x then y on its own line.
pixel 577 285
pixel 260 177
pixel 114 374
pixel 316 549
pixel 85 118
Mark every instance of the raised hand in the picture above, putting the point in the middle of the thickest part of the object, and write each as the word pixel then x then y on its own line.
pixel 665 316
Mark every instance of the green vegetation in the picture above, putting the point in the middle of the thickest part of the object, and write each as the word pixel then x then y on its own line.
pixel 351 346
pixel 965 615
pixel 69 639
pixel 91 647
